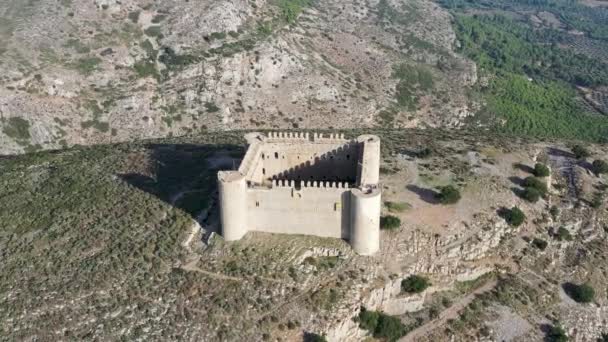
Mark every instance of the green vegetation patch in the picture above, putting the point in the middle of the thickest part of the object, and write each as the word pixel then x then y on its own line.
pixel 397 207
pixel 146 68
pixel 514 216
pixel 174 61
pixel 87 65
pixel 498 43
pixel 77 45
pixel 542 109
pixel 413 80
pixel 415 284
pixel 101 126
pixel 291 9
pixel 448 195
pixel 153 31
pixel 556 333
pixel 381 325
pixel 390 222
pixel 17 128
pixel 545 105
pixel 583 293
pixel 541 170
pixel 599 166
pixel 211 107
pixel 580 152
pixel 323 263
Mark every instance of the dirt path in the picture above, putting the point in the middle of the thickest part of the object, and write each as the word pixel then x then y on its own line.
pixel 191 267
pixel 449 313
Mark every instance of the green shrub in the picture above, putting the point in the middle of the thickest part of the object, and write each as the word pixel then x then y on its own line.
pixel 368 320
pixel 414 284
pixel 397 207
pixel 381 325
pixel 153 31
pixel 218 35
pixel 145 69
pixel 389 328
pixel 599 166
pixel 291 9
pixel 87 65
pixel 531 195
pixel 134 16
pixel 583 293
pixel 448 195
pixel 554 211
pixel 390 222
pixel 536 183
pixel 540 244
pixel 211 107
pixel 597 200
pixel 580 152
pixel 423 153
pixel 312 337
pixel 515 217
pixel 563 234
pixel 541 170
pixel 556 334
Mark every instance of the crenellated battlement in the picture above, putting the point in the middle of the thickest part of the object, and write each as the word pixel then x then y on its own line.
pixel 287 136
pixel 282 183
pixel 304 136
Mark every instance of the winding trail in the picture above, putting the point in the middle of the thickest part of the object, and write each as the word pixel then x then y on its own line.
pixel 450 313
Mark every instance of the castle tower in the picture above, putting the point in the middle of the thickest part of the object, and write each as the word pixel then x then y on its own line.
pixel 365 209
pixel 232 187
pixel 369 161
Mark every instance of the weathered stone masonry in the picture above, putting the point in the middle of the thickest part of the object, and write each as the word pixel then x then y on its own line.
pixel 298 183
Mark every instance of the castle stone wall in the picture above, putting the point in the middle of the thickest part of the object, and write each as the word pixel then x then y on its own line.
pixel 321 211
pixel 315 161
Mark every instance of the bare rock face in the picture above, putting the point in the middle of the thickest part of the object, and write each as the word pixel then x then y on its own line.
pixel 108 71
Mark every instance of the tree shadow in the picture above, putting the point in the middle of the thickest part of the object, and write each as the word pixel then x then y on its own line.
pixel 311 337
pixel 420 153
pixel 570 289
pixel 586 165
pixel 184 175
pixel 503 212
pixel 517 180
pixel 427 195
pixel 519 192
pixel 524 168
pixel 547 329
pixel 556 152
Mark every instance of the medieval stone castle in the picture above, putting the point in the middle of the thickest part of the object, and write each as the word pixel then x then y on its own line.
pixel 301 183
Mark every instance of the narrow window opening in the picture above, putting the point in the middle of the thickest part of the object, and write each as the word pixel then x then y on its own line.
pixel 257 203
pixel 263 171
pixel 348 157
pixel 276 155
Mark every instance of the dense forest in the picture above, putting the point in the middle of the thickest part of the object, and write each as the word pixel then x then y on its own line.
pixel 534 78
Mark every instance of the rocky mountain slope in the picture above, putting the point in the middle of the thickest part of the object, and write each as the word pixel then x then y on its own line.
pixel 117 241
pixel 83 72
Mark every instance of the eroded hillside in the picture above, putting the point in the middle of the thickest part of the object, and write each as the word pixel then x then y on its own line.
pixel 83 72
